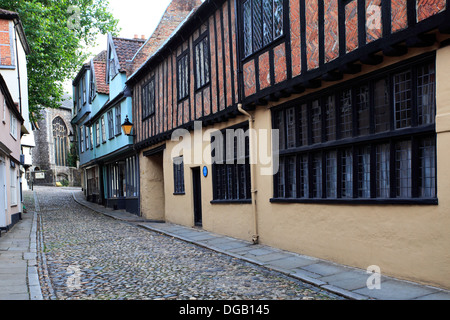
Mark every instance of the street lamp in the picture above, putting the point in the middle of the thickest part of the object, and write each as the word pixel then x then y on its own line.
pixel 127 127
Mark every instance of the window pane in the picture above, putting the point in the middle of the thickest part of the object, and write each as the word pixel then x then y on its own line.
pixel 304 185
pixel 403 169
pixel 257 25
pixel 362 100
pixel 207 57
pixel 364 172
pixel 248 47
pixel 316 112
pixel 330 109
pixel 427 154
pixel 291 177
pixel 347 173
pixel 382 113
pixel 303 130
pixel 281 179
pixel 290 130
pixel 331 178
pixel 280 124
pixel 317 176
pixel 267 21
pixel 402 99
pixel 382 174
pixel 346 114
pixel 277 18
pixel 426 93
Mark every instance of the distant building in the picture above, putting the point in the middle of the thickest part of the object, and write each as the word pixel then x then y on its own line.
pixel 53 158
pixel 16 137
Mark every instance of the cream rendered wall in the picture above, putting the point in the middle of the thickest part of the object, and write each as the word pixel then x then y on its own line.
pixel 152 187
pixel 410 242
pixel 406 241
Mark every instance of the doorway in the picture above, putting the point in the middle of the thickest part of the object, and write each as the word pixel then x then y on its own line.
pixel 197 194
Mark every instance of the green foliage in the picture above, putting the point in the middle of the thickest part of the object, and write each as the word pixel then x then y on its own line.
pixel 59 33
pixel 72 157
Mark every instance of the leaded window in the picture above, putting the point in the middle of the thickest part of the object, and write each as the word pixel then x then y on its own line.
pixel 148 99
pixel 364 152
pixel 118 122
pixel 263 23
pixel 231 164
pixel 103 129
pixel 178 175
pixel 183 76
pixel 202 73
pixel 110 124
pixel 60 138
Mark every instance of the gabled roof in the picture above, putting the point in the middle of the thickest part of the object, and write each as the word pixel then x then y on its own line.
pixel 126 49
pixel 183 30
pixel 99 63
pixel 176 12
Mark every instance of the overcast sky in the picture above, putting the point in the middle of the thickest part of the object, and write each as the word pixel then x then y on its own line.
pixel 139 17
pixel 135 17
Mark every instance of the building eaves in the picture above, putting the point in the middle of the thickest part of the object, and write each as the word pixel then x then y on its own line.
pixel 181 32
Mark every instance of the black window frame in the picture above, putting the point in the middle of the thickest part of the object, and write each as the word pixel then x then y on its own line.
pixel 415 135
pixel 110 118
pixel 264 44
pixel 118 120
pixel 178 176
pixel 183 77
pixel 148 99
pixel 231 182
pixel 206 61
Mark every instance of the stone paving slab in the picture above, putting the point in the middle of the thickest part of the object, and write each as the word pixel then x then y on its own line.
pixel 396 290
pixel 341 280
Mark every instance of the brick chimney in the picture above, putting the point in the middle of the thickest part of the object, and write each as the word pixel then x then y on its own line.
pixel 176 12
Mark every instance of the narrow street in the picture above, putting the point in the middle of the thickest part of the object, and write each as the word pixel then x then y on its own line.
pixel 86 255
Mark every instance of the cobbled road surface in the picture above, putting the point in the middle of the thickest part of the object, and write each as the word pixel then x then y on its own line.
pixel 86 255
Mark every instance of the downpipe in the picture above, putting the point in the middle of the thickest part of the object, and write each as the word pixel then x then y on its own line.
pixel 251 120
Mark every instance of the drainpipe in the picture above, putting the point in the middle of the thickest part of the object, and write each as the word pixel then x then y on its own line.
pixel 251 120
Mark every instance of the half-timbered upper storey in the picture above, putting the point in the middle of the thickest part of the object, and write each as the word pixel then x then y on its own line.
pixel 228 52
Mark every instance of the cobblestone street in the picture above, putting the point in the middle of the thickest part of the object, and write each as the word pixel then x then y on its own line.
pixel 85 255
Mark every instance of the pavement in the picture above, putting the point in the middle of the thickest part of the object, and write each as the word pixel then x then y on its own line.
pixel 19 278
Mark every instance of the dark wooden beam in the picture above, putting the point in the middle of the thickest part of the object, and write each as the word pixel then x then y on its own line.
pixel 262 102
pixel 395 50
pixel 350 68
pixel 371 59
pixel 421 41
pixel 297 89
pixel 333 76
pixel 313 84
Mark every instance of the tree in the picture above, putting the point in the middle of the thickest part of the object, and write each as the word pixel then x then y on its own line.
pixel 59 33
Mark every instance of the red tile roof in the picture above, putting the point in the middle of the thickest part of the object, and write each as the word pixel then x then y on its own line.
pixel 100 73
pixel 126 49
pixel 100 77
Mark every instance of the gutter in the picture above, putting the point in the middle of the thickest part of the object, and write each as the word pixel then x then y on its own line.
pixel 251 120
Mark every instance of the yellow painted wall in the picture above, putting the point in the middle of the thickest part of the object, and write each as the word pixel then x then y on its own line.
pixel 410 242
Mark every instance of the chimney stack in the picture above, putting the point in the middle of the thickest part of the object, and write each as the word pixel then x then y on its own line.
pixel 143 37
pixel 136 36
